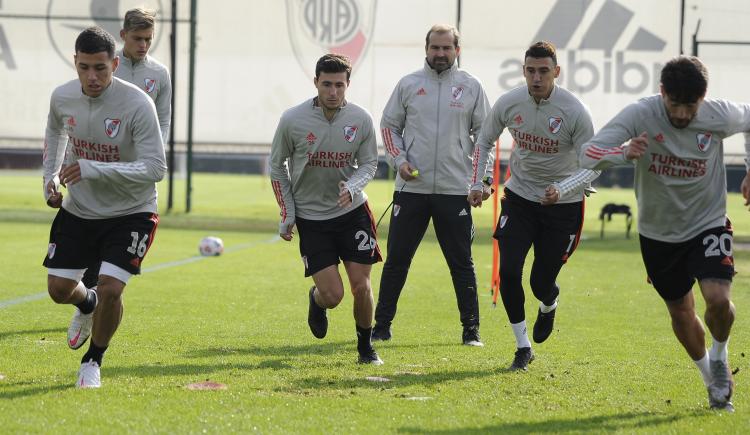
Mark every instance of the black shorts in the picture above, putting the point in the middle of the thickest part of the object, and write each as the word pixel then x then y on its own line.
pixel 349 237
pixel 555 230
pixel 77 243
pixel 673 267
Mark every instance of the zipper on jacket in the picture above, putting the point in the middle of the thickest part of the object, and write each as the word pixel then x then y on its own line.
pixel 91 110
pixel 437 137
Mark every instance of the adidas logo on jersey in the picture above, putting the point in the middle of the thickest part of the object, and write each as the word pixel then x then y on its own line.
pixel 463 212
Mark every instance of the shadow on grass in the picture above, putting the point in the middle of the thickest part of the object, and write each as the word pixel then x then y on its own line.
pixel 396 380
pixel 597 424
pixel 8 391
pixel 321 348
pixel 60 331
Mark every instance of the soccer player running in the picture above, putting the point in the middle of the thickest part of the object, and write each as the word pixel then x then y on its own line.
pixel 427 129
pixel 322 156
pixel 137 67
pixel 103 143
pixel 675 140
pixel 543 201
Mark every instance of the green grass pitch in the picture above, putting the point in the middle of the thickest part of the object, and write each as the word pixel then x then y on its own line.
pixel 612 364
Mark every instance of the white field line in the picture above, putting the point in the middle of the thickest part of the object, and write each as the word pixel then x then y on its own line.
pixel 42 295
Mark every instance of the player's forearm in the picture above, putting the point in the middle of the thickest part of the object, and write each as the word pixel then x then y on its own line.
pixel 361 177
pixel 576 181
pixel 140 171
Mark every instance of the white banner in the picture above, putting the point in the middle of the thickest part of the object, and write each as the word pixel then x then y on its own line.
pixel 256 58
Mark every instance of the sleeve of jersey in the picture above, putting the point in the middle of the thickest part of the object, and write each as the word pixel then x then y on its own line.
pixel 584 131
pixel 605 149
pixel 150 164
pixel 281 150
pixel 740 116
pixel 481 109
pixel 55 143
pixel 164 107
pixel 484 147
pixel 367 161
pixel 391 127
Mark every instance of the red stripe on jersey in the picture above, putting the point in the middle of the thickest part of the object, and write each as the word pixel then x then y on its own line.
pixel 388 142
pixel 603 151
pixel 375 251
pixel 279 198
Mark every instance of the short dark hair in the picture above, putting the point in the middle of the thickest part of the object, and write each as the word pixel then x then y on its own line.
pixel 95 40
pixel 333 63
pixel 540 50
pixel 443 28
pixel 685 79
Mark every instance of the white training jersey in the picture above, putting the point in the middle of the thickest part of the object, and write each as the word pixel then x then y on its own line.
pixel 310 156
pixel 680 182
pixel 115 139
pixel 547 138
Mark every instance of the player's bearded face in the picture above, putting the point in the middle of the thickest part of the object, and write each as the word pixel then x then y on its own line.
pixel 95 71
pixel 680 114
pixel 331 89
pixel 440 51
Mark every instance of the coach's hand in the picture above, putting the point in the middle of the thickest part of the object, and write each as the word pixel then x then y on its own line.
pixel 55 197
pixel 636 148
pixel 551 195
pixel 406 170
pixel 345 196
pixel 745 188
pixel 288 233
pixel 475 198
pixel 70 174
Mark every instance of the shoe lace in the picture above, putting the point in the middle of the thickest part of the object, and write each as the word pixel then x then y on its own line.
pixel 719 373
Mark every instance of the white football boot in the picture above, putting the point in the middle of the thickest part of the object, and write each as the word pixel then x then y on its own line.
pixel 89 376
pixel 79 330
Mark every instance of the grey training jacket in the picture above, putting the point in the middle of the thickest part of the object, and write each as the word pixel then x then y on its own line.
pixel 431 120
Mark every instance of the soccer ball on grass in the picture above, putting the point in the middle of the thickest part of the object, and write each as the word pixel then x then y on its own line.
pixel 211 246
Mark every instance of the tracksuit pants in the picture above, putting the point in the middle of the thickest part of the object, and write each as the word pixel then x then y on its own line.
pixel 451 217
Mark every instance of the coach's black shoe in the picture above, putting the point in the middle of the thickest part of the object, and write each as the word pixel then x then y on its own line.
pixel 543 325
pixel 524 356
pixel 370 357
pixel 470 336
pixel 381 333
pixel 316 317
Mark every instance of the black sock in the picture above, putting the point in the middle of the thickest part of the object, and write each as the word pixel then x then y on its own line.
pixel 363 339
pixel 89 303
pixel 94 353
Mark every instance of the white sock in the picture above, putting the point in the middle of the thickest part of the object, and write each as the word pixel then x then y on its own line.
pixel 519 330
pixel 547 308
pixel 718 350
pixel 705 370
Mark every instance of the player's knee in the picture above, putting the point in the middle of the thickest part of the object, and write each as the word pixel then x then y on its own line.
pixel 60 289
pixel 109 290
pixel 361 289
pixel 330 298
pixel 719 304
pixel 511 275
